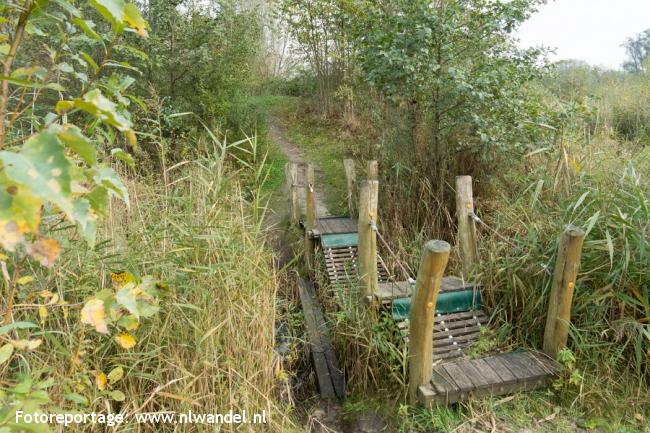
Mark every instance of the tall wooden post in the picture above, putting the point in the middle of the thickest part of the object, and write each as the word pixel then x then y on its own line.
pixel 423 307
pixel 367 248
pixel 567 264
pixel 310 221
pixel 351 177
pixel 466 226
pixel 291 170
pixel 373 170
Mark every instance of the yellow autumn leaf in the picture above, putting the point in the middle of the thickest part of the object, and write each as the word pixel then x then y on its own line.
pixel 120 279
pixel 93 314
pixel 25 280
pixel 131 138
pixel 100 380
pixel 26 344
pixel 134 19
pixel 42 313
pixel 125 340
pixel 4 257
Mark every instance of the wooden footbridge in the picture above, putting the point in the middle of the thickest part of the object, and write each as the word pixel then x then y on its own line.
pixel 439 317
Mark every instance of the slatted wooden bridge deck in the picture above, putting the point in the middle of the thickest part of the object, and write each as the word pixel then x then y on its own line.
pixel 440 318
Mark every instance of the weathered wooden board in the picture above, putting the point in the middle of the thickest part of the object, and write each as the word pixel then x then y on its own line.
pixel 462 379
pixel 335 225
pixel 329 375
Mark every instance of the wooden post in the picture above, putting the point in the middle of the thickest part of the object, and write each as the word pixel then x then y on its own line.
pixel 310 221
pixel 292 188
pixel 423 307
pixel 466 225
pixel 351 177
pixel 373 171
pixel 367 248
pixel 567 264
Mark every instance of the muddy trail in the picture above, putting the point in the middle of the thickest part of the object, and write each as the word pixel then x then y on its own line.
pixel 318 415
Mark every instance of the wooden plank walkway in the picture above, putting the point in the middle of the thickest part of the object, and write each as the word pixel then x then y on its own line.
pixel 462 379
pixel 329 375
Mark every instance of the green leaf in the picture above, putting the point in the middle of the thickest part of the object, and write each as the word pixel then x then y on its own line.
pixel 123 156
pixel 112 10
pixel 115 375
pixel 77 398
pixel 32 85
pixel 90 61
pixel 68 7
pixel 42 166
pixel 98 199
pixel 73 138
pixel 87 27
pixel 126 297
pixel 117 395
pixel 106 177
pixel 104 109
pixel 85 218
pixel 16 325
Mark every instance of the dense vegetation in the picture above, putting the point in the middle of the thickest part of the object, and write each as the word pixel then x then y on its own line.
pixel 435 90
pixel 137 272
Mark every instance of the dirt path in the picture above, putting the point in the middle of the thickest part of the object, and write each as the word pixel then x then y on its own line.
pixel 323 416
pixel 296 155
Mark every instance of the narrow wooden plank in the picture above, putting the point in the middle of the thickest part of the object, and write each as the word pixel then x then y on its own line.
pixel 328 372
pixel 459 377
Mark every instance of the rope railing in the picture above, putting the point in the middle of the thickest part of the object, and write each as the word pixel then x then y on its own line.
pixel 403 267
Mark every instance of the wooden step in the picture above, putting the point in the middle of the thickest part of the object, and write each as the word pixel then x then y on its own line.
pixel 463 379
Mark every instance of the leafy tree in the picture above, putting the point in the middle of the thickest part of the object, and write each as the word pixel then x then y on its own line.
pixel 202 56
pixel 455 66
pixel 638 51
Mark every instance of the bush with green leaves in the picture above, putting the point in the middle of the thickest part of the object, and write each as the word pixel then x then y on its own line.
pixel 64 112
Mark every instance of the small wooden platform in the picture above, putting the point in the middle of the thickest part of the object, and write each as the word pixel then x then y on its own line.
pixel 335 225
pixel 329 375
pixel 462 379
